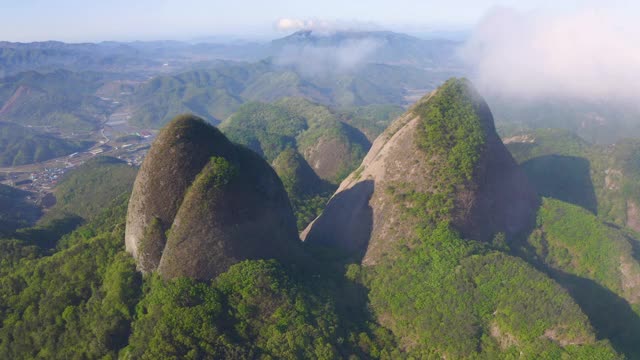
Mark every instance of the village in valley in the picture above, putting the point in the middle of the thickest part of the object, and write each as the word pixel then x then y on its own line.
pixel 41 178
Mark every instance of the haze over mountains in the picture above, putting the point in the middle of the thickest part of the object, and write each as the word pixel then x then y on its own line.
pixel 354 47
pixel 338 69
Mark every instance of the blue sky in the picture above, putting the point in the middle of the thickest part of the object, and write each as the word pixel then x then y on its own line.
pixel 76 20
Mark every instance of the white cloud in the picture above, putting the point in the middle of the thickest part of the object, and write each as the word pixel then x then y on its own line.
pixel 322 25
pixel 289 25
pixel 588 53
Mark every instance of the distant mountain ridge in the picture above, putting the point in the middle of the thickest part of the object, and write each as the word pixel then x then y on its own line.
pixel 388 47
pixel 61 98
pixel 21 145
pixel 217 93
pixel 113 56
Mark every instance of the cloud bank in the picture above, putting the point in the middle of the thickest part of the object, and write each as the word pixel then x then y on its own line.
pixel 289 25
pixel 589 53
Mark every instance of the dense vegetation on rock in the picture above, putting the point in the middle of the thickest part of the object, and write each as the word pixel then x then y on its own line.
pixel 20 145
pixel 451 134
pixel 443 294
pixel 441 161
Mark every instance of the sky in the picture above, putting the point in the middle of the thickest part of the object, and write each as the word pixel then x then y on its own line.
pixel 88 20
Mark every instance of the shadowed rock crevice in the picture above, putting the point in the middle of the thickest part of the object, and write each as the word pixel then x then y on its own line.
pixel 347 221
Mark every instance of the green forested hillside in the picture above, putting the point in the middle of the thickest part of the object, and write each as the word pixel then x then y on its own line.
pixel 565 288
pixel 92 303
pixel 20 145
pixel 331 147
pixel 448 297
pixel 597 264
pixel 46 56
pixel 82 295
pixel 76 193
pixel 217 93
pixel 372 120
pixel 61 98
pixel 86 300
pixel 213 95
pixel 590 249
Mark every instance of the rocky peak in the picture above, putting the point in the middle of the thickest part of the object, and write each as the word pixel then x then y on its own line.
pixel 440 161
pixel 201 203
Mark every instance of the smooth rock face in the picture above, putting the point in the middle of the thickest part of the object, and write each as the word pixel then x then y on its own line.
pixel 500 200
pixel 334 152
pixel 201 203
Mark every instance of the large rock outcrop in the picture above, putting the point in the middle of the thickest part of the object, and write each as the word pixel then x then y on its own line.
pixel 201 203
pixel 443 153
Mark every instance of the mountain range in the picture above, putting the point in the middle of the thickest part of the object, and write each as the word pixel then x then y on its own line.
pixel 324 195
